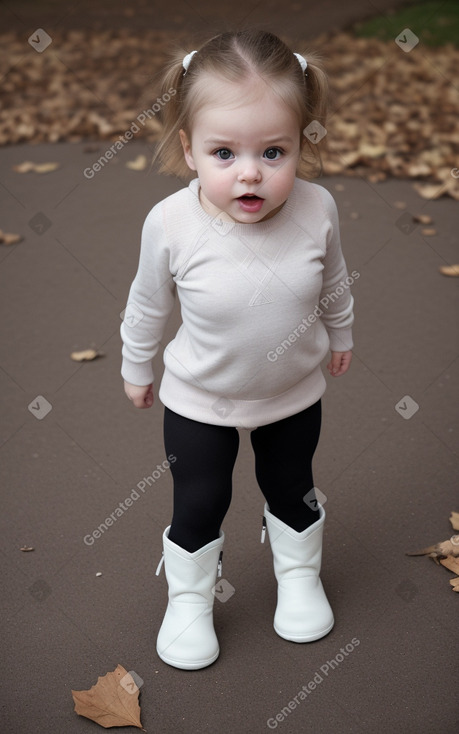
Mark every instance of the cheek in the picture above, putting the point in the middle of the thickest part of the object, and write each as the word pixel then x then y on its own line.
pixel 283 181
pixel 217 181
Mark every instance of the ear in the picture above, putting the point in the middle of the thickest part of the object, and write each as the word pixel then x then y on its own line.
pixel 186 145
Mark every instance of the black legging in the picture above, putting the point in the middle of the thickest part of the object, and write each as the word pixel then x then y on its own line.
pixel 202 472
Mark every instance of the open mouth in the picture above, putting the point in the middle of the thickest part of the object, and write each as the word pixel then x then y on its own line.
pixel 250 202
pixel 250 197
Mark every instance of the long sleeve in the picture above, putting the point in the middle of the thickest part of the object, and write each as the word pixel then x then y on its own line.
pixel 150 303
pixel 336 301
pixel 261 304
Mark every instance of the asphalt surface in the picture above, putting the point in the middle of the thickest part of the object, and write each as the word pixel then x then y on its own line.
pixel 72 448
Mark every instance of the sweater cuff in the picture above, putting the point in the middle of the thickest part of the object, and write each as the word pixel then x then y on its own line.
pixel 137 373
pixel 340 340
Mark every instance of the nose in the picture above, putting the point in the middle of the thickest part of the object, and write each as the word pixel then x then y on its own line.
pixel 249 171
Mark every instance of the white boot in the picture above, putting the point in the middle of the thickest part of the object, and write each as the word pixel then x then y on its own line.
pixel 303 613
pixel 187 637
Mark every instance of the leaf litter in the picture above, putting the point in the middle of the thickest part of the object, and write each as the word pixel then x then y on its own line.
pixel 28 166
pixel 9 238
pixel 112 701
pixel 86 355
pixel 453 272
pixel 446 552
pixel 392 114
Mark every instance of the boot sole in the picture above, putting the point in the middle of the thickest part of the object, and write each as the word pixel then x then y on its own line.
pixel 305 638
pixel 188 665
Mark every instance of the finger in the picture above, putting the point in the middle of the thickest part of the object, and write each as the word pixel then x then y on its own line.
pixel 345 361
pixel 334 364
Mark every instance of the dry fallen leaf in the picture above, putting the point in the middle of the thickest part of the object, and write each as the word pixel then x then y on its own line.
pixel 28 166
pixel 428 231
pixel 455 583
pixel 86 355
pixel 139 164
pixel 45 167
pixel 445 553
pixel 447 185
pixel 452 271
pixel 8 238
pixel 440 550
pixel 109 702
pixel 24 167
pixel 452 564
pixel 422 218
pixel 27 548
pixel 430 191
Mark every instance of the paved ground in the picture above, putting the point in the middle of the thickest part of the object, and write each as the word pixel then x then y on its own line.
pixel 390 481
pixel 389 476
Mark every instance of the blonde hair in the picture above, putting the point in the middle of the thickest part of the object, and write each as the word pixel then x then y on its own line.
pixel 236 57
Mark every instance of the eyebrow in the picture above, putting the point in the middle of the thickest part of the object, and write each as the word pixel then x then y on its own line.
pixel 268 141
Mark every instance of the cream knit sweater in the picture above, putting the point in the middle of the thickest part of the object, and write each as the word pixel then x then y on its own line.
pixel 261 305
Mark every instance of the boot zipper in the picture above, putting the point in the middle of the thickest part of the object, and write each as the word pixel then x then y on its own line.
pixel 160 564
pixel 263 530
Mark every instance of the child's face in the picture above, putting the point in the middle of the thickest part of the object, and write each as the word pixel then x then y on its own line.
pixel 245 149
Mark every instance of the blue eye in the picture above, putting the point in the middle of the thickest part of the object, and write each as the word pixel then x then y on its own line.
pixel 272 154
pixel 224 154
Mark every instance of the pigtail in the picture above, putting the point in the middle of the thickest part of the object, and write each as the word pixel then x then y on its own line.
pixel 317 89
pixel 316 103
pixel 169 152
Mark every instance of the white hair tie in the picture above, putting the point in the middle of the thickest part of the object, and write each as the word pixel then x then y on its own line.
pixel 302 61
pixel 187 59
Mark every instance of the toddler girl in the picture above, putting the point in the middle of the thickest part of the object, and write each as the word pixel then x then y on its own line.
pixel 253 253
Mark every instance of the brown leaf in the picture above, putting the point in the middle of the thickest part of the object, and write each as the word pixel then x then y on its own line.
pixel 8 238
pixel 45 167
pixel 86 355
pixel 422 218
pixel 440 550
pixel 430 191
pixel 452 564
pixel 428 231
pixel 109 702
pixel 24 167
pixel 453 271
pixel 417 170
pixel 367 150
pixel 139 164
pixel 454 517
pixel 28 166
pixel 455 583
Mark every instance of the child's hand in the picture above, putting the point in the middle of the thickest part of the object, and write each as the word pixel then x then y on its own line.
pixel 140 395
pixel 339 363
